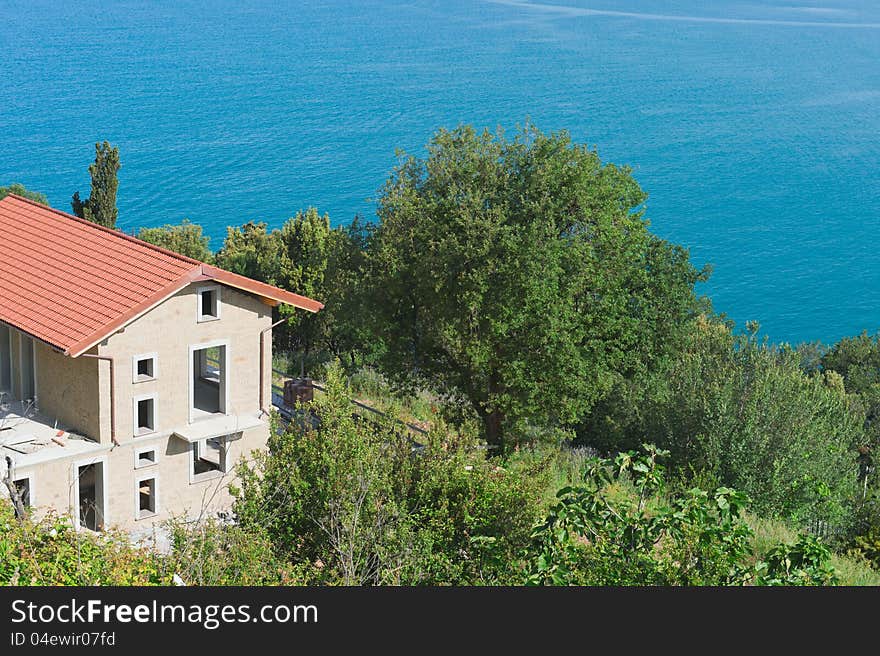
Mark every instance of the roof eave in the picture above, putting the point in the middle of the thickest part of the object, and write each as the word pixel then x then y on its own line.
pixel 136 312
pixel 266 292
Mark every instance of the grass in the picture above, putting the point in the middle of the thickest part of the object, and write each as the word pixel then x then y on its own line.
pixel 851 568
pixel 367 386
pixel 370 388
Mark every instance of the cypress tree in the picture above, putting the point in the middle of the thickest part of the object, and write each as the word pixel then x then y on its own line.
pixel 100 206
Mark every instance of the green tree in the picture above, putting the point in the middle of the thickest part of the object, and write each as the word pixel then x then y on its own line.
pixel 517 275
pixel 345 302
pixel 252 250
pixel 186 238
pixel 19 190
pixel 306 256
pixel 306 241
pixel 741 412
pixel 100 206
pixel 324 263
pixel 857 360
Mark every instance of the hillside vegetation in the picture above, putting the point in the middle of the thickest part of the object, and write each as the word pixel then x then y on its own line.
pixel 590 418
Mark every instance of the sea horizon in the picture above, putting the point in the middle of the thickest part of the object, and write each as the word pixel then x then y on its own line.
pixel 753 126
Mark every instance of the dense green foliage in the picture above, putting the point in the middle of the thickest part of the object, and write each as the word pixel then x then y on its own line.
pixel 185 238
pixel 369 509
pixel 857 361
pixel 355 503
pixel 807 562
pixel 597 535
pixel 743 413
pixel 20 190
pixel 100 206
pixel 308 257
pixel 516 275
pixel 618 528
pixel 511 293
pixel 49 551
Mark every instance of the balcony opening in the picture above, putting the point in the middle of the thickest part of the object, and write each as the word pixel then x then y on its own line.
pixel 91 496
pixel 209 382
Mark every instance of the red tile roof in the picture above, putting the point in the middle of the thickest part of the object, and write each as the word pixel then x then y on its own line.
pixel 72 283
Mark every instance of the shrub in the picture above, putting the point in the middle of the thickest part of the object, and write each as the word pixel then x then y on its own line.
pixel 806 562
pixel 742 412
pixel 357 502
pixel 593 536
pixel 213 553
pixel 619 528
pixel 49 551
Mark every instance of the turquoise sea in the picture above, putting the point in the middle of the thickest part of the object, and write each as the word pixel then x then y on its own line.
pixel 754 125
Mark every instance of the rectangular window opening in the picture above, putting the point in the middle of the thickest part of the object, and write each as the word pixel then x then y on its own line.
pixel 209 381
pixel 146 416
pixel 209 303
pixel 146 458
pixel 145 368
pixel 146 497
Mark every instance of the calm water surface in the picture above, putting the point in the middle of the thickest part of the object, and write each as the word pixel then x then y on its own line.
pixel 754 126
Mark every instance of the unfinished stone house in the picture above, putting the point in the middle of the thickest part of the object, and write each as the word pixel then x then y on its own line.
pixel 131 378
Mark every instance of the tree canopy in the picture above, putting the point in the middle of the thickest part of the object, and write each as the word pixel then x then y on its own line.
pixel 307 256
pixel 185 238
pixel 518 274
pixel 20 190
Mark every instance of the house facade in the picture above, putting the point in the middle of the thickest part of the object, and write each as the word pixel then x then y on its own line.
pixel 132 379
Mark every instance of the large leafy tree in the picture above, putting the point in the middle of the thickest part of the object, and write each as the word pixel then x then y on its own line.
pixel 305 244
pixel 100 206
pixel 857 360
pixel 519 276
pixel 324 263
pixel 20 190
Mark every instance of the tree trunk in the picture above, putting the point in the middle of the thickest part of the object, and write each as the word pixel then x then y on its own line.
pixel 17 503
pixel 493 425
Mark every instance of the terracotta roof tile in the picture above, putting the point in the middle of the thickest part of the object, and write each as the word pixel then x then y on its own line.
pixel 72 283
